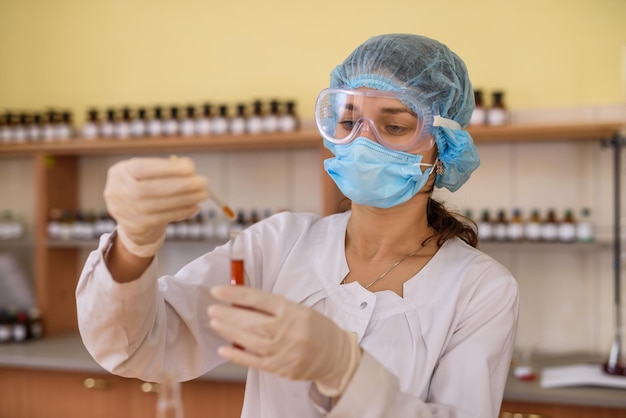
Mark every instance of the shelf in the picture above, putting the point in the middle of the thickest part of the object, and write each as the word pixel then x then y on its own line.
pixel 544 132
pixel 488 246
pixel 299 139
pixel 290 140
pixel 16 243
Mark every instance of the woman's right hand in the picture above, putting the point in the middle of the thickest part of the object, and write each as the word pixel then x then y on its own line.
pixel 144 195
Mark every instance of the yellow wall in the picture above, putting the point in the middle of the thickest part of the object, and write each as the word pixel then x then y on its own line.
pixel 78 53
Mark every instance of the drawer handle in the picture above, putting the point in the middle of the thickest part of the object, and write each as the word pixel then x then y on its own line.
pixel 91 383
pixel 520 415
pixel 147 387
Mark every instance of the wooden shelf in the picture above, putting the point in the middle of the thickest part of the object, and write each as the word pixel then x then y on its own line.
pixel 544 132
pixel 299 139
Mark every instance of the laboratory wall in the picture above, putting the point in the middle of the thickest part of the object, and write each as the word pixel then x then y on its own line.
pixel 560 60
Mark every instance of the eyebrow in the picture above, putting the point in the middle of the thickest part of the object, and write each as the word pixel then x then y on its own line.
pixel 386 110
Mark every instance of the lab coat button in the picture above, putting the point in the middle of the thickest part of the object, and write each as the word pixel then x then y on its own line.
pixel 363 305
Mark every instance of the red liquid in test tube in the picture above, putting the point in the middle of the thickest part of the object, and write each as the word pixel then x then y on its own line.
pixel 236 259
pixel 236 273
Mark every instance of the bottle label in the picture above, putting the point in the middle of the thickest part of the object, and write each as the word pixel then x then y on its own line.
pixel 500 232
pixel 155 127
pixel 5 333
pixel 237 126
pixel 584 232
pixel 567 232
pixel 20 332
pixel 270 123
pixel 287 123
pixel 89 131
pixel 187 128
pixel 220 126
pixel 203 127
pixel 137 128
pixel 170 127
pixel 515 231
pixel 532 231
pixel 485 231
pixel 549 232
pixel 106 130
pixel 254 125
pixel 122 130
pixel 478 116
pixel 496 116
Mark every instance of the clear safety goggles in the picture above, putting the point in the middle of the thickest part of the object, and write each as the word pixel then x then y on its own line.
pixel 396 120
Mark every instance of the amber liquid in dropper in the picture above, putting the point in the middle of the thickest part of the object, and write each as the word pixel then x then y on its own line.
pixel 228 211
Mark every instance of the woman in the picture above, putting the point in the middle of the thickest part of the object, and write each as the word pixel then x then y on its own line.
pixel 386 310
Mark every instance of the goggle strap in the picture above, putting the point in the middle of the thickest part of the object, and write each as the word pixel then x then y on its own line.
pixel 446 123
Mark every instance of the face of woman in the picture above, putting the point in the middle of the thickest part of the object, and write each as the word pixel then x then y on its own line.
pixel 388 121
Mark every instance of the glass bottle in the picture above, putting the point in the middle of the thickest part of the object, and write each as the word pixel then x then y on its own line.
pixel 254 122
pixel 66 127
pixel 585 231
pixel 497 113
pixel 550 227
pixel 237 124
pixel 203 123
pixel 5 326
pixel 4 128
pixel 20 327
pixel 270 120
pixel 566 231
pixel 532 227
pixel 484 226
pixel 105 129
pixel 187 123
pixel 289 121
pixel 121 128
pixel 19 129
pixel 34 130
pixel 219 124
pixel 208 225
pixel 49 127
pixel 138 124
pixel 35 324
pixel 170 122
pixel 500 226
pixel 515 228
pixel 479 113
pixel 90 127
pixel 194 227
pixel 155 124
pixel 54 224
pixel 169 401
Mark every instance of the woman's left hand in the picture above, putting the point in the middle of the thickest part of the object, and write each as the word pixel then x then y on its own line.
pixel 281 337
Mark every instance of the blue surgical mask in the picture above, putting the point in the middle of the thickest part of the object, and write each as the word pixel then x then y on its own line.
pixel 370 174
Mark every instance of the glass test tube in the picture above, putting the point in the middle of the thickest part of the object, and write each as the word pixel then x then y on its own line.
pixel 236 259
pixel 169 402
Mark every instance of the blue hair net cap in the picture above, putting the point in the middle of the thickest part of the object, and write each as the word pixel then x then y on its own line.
pixel 439 79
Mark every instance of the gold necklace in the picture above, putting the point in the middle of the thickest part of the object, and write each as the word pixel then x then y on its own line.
pixel 388 270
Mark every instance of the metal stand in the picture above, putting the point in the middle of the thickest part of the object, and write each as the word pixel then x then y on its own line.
pixel 614 365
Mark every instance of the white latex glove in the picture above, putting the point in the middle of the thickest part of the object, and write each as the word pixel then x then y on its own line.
pixel 284 338
pixel 144 195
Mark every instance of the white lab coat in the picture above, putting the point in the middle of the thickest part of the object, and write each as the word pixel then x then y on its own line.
pixel 442 350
